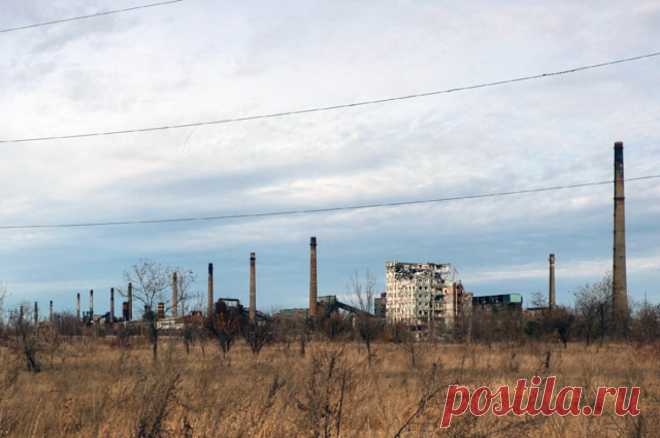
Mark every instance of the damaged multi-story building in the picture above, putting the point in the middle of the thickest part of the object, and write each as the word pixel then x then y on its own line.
pixel 424 294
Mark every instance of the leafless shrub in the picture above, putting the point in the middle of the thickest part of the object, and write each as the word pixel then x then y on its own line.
pixel 257 334
pixel 157 394
pixel 323 395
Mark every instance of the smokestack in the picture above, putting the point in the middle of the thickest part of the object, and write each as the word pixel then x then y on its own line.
pixel 313 283
pixel 619 283
pixel 50 311
pixel 551 285
pixel 161 311
pixel 130 301
pixel 253 287
pixel 175 294
pixel 210 291
pixel 112 305
pixel 78 306
pixel 36 313
pixel 91 304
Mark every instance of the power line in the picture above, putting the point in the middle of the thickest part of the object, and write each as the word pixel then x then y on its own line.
pixel 335 107
pixel 84 17
pixel 318 210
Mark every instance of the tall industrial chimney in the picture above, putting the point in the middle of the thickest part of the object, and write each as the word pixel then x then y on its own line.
pixel 313 283
pixel 253 287
pixel 50 311
pixel 112 305
pixel 210 291
pixel 91 304
pixel 36 313
pixel 619 283
pixel 78 306
pixel 175 294
pixel 130 301
pixel 551 285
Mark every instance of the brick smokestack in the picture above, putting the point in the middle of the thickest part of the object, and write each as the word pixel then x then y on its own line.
pixel 313 282
pixel 551 284
pixel 112 305
pixel 91 304
pixel 619 282
pixel 210 291
pixel 36 313
pixel 253 287
pixel 130 301
pixel 50 311
pixel 175 294
pixel 78 306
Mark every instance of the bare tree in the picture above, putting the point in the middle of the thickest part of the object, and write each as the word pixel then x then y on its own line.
pixel 3 296
pixel 26 341
pixel 592 305
pixel 152 283
pixel 363 291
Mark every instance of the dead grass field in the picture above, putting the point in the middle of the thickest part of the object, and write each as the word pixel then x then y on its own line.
pixel 93 389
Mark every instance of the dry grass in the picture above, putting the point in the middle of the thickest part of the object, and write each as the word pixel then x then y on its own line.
pixel 89 389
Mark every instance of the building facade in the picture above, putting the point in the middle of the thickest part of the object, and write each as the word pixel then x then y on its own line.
pixel 423 294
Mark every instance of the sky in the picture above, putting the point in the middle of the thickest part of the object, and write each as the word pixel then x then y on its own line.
pixel 204 60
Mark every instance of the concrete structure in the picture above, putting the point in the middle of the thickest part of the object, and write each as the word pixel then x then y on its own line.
pixel 423 293
pixel 91 304
pixel 209 301
pixel 619 282
pixel 175 295
pixel 380 305
pixel 551 282
pixel 50 311
pixel 130 301
pixel 252 310
pixel 36 313
pixel 498 302
pixel 313 282
pixel 78 306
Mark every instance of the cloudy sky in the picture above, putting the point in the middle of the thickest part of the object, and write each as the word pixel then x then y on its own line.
pixel 204 60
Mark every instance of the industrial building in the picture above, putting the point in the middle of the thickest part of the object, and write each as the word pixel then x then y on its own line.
pixel 422 294
pixel 498 302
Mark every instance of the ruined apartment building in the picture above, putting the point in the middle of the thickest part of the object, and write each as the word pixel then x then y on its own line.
pixel 422 293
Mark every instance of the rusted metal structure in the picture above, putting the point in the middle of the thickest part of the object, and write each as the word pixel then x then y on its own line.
pixel 313 281
pixel 619 281
pixel 551 281
pixel 253 287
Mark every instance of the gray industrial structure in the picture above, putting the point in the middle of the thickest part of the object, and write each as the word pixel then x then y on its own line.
pixel 551 281
pixel 619 282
